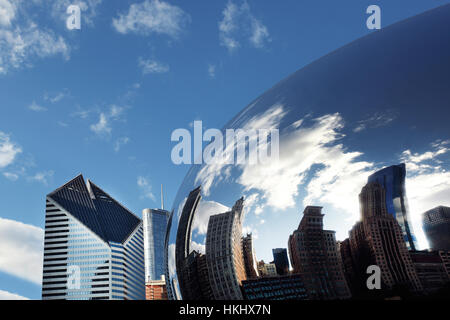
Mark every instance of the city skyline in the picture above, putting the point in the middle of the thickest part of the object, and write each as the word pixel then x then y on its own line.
pixel 105 99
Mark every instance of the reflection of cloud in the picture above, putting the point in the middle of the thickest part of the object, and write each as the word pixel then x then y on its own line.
pixel 375 121
pixel 21 250
pixel 211 174
pixel 201 248
pixel 427 184
pixel 171 259
pixel 206 209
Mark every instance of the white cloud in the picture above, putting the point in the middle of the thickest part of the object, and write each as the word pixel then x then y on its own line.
pixel 152 16
pixel 146 188
pixel 201 248
pixel 56 97
pixel 121 142
pixel 42 177
pixel 5 295
pixel 37 108
pixel 212 71
pixel 152 66
pixel 238 23
pixel 8 150
pixel 102 127
pixel 21 250
pixel 11 176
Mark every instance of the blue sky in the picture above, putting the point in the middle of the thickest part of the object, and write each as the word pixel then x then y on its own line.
pixel 105 99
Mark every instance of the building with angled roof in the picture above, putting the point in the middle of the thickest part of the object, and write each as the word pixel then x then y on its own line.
pixel 93 246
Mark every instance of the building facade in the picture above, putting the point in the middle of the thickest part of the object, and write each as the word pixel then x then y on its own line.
pixel 224 256
pixel 156 289
pixel 267 269
pixel 392 179
pixel 287 287
pixel 378 240
pixel 436 225
pixel 314 256
pixel 430 270
pixel 280 258
pixel 93 246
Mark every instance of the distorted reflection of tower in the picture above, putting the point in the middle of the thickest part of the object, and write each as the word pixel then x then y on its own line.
pixel 224 254
pixel 251 264
pixel 392 179
pixel 378 239
pixel 314 255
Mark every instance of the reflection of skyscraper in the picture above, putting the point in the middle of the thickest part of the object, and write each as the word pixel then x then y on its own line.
pixel 378 239
pixel 314 255
pixel 251 267
pixel 183 241
pixel 155 227
pixel 288 287
pixel 392 179
pixel 436 224
pixel 224 255
pixel 93 246
pixel 281 260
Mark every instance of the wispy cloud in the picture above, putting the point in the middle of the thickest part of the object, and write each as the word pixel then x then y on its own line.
pixel 21 250
pixel 146 188
pixel 152 17
pixel 212 71
pixel 42 177
pixel 8 150
pixel 56 97
pixel 120 143
pixel 152 66
pixel 11 176
pixel 36 108
pixel 239 24
pixel 102 127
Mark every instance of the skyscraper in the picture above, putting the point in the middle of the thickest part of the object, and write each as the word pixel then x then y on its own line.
pixel 251 264
pixel 280 258
pixel 93 247
pixel 224 256
pixel 155 227
pixel 314 256
pixel 392 179
pixel 436 225
pixel 378 240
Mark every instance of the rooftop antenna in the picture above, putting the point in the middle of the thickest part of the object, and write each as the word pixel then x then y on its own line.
pixel 162 198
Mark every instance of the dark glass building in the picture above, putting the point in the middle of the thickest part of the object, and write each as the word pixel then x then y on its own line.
pixel 436 225
pixel 280 258
pixel 392 179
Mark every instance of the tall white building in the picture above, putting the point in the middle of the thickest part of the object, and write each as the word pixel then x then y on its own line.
pixel 93 247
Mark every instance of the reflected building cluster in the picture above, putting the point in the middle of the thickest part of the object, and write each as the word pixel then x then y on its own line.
pixel 322 268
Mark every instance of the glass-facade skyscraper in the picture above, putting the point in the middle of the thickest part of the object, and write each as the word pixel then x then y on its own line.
pixel 155 227
pixel 280 258
pixel 392 179
pixel 93 247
